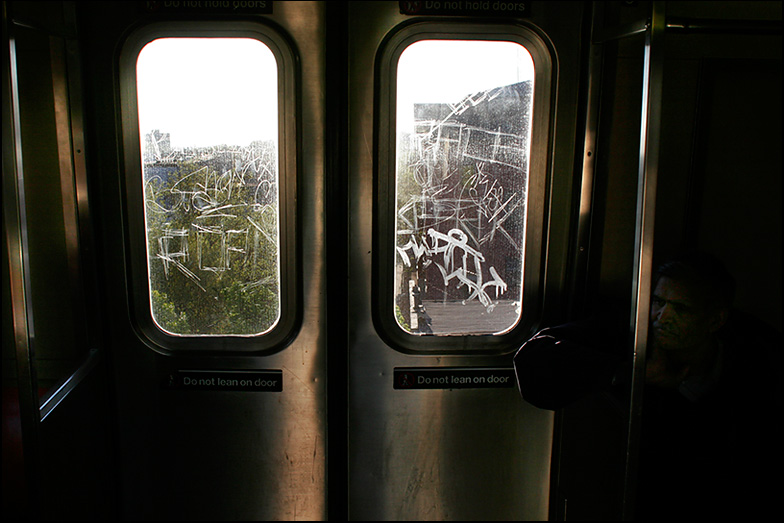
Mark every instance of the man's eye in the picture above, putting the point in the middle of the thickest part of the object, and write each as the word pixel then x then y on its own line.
pixel 682 309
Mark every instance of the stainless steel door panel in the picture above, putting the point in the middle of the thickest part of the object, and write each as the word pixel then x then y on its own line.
pixel 216 454
pixel 436 454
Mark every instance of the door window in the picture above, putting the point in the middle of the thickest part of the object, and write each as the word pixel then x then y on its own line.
pixel 209 129
pixel 463 141
pixel 208 118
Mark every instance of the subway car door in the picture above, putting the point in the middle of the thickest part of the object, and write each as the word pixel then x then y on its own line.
pixel 319 234
pixel 461 152
pixel 206 132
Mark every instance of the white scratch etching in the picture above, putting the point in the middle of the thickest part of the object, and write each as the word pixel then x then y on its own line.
pixel 458 262
pixel 461 200
pixel 212 223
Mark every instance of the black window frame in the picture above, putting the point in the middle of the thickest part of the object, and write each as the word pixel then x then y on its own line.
pixel 289 322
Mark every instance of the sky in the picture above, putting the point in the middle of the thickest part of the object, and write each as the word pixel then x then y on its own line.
pixel 208 91
pixel 446 71
pixel 211 91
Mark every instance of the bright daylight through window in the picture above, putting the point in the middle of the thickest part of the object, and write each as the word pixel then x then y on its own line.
pixel 463 138
pixel 208 123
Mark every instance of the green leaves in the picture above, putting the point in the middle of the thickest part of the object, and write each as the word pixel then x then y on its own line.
pixel 212 239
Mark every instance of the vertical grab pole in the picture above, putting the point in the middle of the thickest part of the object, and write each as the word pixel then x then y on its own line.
pixel 650 131
pixel 15 232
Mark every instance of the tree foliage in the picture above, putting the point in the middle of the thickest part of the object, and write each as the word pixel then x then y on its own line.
pixel 212 238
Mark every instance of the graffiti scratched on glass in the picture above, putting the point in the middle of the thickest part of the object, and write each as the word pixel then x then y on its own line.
pixel 461 201
pixel 212 210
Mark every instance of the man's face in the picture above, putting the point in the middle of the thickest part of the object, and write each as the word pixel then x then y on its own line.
pixel 680 319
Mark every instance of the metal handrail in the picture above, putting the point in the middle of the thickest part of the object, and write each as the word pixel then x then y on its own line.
pixel 717 26
pixel 680 25
pixel 650 132
pixel 57 394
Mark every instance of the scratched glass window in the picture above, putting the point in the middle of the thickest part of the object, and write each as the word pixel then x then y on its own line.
pixel 208 118
pixel 463 131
